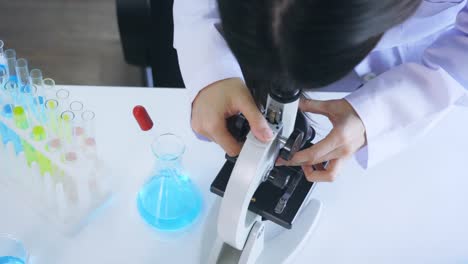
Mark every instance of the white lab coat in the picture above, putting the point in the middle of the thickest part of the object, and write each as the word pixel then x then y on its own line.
pixel 415 75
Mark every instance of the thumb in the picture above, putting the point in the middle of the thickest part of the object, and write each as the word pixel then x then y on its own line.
pixel 257 122
pixel 314 106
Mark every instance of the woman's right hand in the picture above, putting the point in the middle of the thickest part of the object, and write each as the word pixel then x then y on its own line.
pixel 221 100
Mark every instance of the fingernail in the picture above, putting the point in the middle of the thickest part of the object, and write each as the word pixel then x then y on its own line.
pixel 280 163
pixel 267 134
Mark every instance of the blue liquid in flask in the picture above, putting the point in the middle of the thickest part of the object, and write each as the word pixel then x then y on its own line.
pixel 11 260
pixel 12 251
pixel 169 201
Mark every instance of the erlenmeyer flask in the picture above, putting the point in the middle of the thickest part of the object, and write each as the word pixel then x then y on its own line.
pixel 12 251
pixel 169 200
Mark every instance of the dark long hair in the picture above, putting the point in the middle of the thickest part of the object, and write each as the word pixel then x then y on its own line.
pixel 305 43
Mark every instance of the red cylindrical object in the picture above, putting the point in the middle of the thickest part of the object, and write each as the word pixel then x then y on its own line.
pixel 143 118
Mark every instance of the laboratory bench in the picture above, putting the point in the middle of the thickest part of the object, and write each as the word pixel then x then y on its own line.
pixel 411 208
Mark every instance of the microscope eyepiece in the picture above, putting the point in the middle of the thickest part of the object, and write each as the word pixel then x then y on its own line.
pixel 285 96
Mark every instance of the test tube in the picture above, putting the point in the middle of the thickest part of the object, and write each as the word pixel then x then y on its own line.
pixel 9 90
pixel 10 57
pixel 36 111
pixel 20 116
pixel 67 137
pixel 23 118
pixel 3 76
pixel 22 73
pixel 53 130
pixel 29 101
pixel 38 131
pixel 2 57
pixel 89 142
pixel 63 97
pixel 77 108
pixel 36 77
pixel 37 105
pixel 3 127
pixel 48 86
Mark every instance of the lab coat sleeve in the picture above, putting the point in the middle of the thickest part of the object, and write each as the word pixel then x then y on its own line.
pixel 204 56
pixel 403 103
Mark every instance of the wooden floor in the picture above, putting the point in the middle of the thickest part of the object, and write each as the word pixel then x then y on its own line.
pixel 71 41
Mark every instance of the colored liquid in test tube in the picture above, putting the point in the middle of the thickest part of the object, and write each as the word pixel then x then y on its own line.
pixel 3 62
pixel 67 137
pixel 53 119
pixel 89 139
pixel 22 72
pixel 38 132
pixel 13 92
pixel 53 142
pixel 2 57
pixel 20 117
pixel 8 92
pixel 23 112
pixel 77 108
pixel 23 96
pixel 3 79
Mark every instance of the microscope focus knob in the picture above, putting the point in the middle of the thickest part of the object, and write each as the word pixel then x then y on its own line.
pixel 238 126
pixel 292 145
pixel 278 179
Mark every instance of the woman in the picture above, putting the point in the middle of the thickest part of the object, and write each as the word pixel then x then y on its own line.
pixel 420 67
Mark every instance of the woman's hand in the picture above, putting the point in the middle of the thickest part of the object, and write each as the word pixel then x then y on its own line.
pixel 223 99
pixel 346 137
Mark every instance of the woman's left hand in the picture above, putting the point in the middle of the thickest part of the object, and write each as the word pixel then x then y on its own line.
pixel 347 136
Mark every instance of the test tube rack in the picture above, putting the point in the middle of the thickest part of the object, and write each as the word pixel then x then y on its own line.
pixel 66 199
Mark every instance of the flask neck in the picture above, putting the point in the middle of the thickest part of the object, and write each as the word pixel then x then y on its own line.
pixel 168 161
pixel 168 150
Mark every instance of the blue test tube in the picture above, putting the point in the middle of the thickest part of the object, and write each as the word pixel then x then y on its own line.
pixel 2 58
pixel 3 80
pixel 9 91
pixel 22 72
pixel 25 114
pixel 3 128
pixel 10 57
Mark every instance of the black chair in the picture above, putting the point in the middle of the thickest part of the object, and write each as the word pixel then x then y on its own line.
pixel 146 31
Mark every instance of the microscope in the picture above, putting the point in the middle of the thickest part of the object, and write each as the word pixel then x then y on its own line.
pixel 254 190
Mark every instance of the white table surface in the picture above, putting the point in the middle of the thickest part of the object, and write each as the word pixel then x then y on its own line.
pixel 409 209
